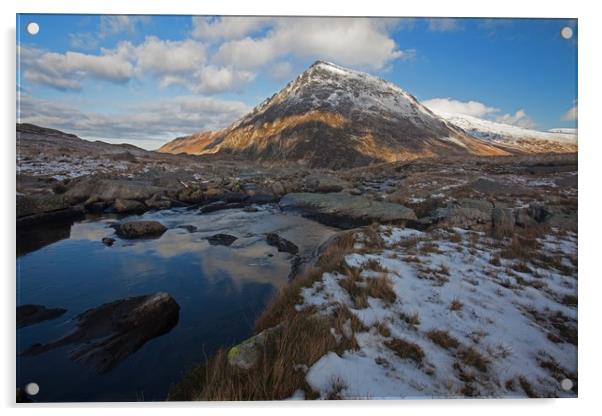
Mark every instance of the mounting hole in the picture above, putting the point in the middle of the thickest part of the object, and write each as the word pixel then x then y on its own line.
pixel 32 389
pixel 566 384
pixel 566 32
pixel 33 28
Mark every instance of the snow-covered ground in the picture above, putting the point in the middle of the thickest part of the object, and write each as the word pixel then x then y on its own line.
pixel 467 319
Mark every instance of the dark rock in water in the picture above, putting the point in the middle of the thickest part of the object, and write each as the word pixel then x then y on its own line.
pixel 188 227
pixel 230 197
pixel 262 199
pixel 250 208
pixel 33 314
pixel 342 210
pixel 108 334
pixel 233 200
pixel 219 205
pixel 128 205
pixel 282 244
pixel 221 239
pixel 108 241
pixel 138 229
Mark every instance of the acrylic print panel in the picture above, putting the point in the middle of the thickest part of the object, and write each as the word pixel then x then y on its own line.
pixel 265 208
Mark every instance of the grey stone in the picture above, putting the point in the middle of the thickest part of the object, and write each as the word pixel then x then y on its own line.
pixel 346 211
pixel 138 229
pixel 123 206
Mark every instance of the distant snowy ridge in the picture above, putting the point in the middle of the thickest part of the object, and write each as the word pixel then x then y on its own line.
pixel 508 134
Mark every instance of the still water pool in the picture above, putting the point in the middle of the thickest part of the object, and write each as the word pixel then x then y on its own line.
pixel 221 291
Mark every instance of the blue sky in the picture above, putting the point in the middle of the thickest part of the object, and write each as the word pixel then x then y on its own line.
pixel 147 79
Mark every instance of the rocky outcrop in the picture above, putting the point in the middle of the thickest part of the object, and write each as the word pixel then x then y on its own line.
pixel 33 314
pixel 123 206
pixel 323 183
pixel 110 190
pixel 465 213
pixel 342 210
pixel 106 335
pixel 221 239
pixel 282 244
pixel 36 209
pixel 139 229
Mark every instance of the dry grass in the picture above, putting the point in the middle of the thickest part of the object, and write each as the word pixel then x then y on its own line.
pixel 381 288
pixel 412 319
pixel 282 306
pixel 456 305
pixel 302 340
pixel 526 386
pixel 473 358
pixel 406 350
pixel 375 266
pixel 443 339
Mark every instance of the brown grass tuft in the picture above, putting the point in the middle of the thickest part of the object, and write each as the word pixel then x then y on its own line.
pixel 456 305
pixel 406 350
pixel 443 339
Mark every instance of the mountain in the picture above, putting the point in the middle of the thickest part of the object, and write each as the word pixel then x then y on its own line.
pixel 45 151
pixel 513 137
pixel 336 117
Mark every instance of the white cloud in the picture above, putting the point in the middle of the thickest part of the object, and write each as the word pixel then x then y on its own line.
pixel 451 106
pixel 169 57
pixel 358 42
pixel 520 119
pixel 67 70
pixel 444 25
pixel 159 119
pixel 171 62
pixel 227 27
pixel 212 79
pixel 571 114
pixel 189 63
pixel 281 70
pixel 111 25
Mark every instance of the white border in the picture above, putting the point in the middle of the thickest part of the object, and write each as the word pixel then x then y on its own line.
pixel 590 137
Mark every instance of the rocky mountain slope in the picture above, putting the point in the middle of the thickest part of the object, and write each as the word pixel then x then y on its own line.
pixel 47 152
pixel 335 117
pixel 514 137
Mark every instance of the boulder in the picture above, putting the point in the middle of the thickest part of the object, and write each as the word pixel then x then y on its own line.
pixel 123 206
pixel 282 244
pixel 502 220
pixel 221 239
pixel 37 209
pixel 110 189
pixel 342 210
pixel 138 229
pixel 465 213
pixel 246 354
pixel 108 241
pixel 278 188
pixel 158 201
pixel 319 183
pixel 104 336
pixel 191 196
pixel 37 204
pixel 33 314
